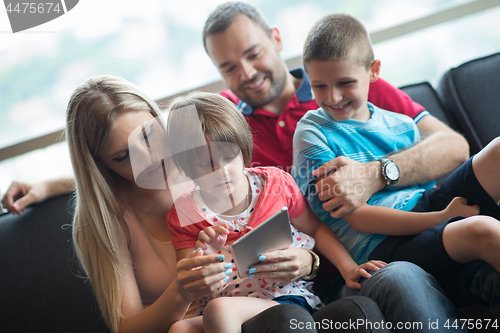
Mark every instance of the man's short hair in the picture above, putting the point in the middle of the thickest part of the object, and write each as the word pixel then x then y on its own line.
pixel 340 37
pixel 223 16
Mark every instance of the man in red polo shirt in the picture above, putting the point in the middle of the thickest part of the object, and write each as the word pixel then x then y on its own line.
pixel 246 52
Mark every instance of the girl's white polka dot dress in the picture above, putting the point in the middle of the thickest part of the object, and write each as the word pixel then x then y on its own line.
pixel 255 287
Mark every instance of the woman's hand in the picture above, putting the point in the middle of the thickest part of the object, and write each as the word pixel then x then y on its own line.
pixel 285 265
pixel 199 275
pixel 352 277
pixel 212 239
pixel 458 207
pixel 19 195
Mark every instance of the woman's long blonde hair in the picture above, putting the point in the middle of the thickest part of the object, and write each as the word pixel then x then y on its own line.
pixel 97 233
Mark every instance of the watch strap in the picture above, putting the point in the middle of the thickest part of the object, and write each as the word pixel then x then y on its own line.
pixel 314 266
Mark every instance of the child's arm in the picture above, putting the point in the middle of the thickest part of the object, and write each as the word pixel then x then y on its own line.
pixel 331 247
pixel 389 221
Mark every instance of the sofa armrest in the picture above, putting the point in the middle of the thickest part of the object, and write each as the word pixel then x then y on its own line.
pixel 40 278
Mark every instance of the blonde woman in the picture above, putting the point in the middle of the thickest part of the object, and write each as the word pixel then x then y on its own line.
pixel 118 229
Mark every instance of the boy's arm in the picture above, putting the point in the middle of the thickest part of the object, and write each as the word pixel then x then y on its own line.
pixel 440 151
pixel 389 221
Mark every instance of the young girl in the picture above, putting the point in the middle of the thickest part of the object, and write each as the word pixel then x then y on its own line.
pixel 211 144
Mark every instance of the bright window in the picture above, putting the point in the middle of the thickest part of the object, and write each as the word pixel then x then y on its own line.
pixel 156 44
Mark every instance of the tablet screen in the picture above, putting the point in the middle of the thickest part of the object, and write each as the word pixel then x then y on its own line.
pixel 272 234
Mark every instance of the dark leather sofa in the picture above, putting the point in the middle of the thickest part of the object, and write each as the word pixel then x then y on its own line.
pixel 41 284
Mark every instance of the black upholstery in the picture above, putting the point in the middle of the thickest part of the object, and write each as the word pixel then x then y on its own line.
pixel 40 287
pixel 424 94
pixel 471 94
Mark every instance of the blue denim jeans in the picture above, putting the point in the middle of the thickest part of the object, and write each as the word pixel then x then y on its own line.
pixel 410 299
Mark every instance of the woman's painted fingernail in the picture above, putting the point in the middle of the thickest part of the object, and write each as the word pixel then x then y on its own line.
pixel 251 275
pixel 198 249
pixel 252 270
pixel 261 258
pixel 228 271
pixel 226 278
pixel 219 257
pixel 228 265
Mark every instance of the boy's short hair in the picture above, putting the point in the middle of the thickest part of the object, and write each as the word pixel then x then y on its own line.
pixel 339 37
pixel 223 16
pixel 222 126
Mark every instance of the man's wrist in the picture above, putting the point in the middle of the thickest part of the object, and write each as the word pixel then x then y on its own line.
pixel 390 172
pixel 379 177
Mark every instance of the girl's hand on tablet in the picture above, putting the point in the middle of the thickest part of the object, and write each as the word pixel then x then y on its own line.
pixel 212 239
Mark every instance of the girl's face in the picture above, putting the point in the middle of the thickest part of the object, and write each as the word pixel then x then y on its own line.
pixel 141 131
pixel 221 172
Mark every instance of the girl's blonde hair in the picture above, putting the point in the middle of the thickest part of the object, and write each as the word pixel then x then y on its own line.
pixel 221 123
pixel 98 237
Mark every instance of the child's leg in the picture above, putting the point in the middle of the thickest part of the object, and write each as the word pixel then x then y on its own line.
pixel 227 314
pixel 473 238
pixel 486 166
pixel 191 325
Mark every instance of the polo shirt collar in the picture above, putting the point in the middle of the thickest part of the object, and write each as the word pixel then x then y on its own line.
pixel 304 92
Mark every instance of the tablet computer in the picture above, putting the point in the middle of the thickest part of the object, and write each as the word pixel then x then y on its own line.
pixel 272 234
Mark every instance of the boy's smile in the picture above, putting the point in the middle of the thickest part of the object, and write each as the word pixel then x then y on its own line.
pixel 341 87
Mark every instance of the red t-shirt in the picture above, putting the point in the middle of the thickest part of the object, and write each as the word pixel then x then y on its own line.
pixel 273 134
pixel 279 190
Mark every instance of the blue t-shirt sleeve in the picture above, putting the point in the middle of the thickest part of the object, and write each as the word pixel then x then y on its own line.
pixel 311 150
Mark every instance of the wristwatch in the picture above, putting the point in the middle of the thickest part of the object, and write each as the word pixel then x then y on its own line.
pixel 390 172
pixel 314 266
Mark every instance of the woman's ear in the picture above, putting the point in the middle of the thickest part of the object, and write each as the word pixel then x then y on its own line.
pixel 374 70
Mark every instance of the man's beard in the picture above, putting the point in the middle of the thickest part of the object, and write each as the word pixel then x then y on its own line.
pixel 276 88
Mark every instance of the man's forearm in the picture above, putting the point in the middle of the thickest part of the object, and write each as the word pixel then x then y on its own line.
pixel 60 186
pixel 440 151
pixel 432 158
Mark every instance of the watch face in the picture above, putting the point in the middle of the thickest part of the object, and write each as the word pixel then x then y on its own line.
pixel 392 171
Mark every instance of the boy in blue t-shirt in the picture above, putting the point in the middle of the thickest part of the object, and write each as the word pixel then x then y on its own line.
pixel 339 61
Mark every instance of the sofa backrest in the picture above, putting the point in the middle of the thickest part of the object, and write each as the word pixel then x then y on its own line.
pixel 471 94
pixel 424 94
